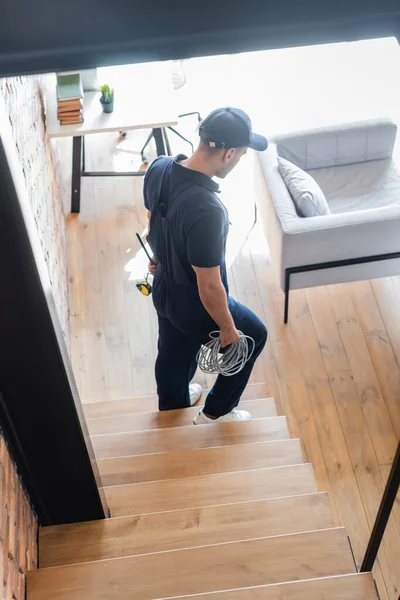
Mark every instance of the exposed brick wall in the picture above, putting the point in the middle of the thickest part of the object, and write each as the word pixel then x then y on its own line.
pixel 18 531
pixel 40 164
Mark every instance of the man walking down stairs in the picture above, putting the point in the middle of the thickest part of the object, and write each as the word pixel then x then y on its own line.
pixel 223 511
pixel 188 229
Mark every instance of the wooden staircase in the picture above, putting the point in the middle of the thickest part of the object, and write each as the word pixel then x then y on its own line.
pixel 227 511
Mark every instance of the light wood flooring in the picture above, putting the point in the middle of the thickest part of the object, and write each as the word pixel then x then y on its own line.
pixel 333 370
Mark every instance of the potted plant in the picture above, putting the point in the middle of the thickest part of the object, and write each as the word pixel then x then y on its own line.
pixel 107 98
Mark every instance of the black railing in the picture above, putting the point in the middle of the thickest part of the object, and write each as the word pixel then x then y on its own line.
pixel 40 409
pixel 388 499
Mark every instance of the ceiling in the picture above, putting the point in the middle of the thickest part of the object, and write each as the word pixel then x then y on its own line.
pixel 50 35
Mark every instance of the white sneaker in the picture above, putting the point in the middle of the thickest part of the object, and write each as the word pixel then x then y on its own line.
pixel 195 392
pixel 233 416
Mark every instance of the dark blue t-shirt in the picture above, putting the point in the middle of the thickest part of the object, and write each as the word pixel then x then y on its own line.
pixel 197 221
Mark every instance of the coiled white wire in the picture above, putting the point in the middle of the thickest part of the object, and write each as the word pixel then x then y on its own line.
pixel 231 361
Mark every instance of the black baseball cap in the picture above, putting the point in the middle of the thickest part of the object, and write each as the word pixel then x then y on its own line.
pixel 230 128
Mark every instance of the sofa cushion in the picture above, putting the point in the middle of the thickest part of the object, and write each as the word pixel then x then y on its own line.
pixel 306 194
pixel 362 186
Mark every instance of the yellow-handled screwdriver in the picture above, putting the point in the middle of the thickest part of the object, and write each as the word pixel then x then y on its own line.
pixel 144 286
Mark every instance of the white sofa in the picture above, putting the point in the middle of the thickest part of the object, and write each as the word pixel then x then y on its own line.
pixel 360 239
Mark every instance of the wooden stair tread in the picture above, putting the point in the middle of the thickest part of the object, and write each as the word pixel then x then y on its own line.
pixel 210 490
pixel 203 461
pixel 192 436
pixel 264 407
pixel 112 408
pixel 128 536
pixel 198 570
pixel 357 586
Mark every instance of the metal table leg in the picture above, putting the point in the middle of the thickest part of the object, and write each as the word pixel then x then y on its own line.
pixel 76 174
pixel 159 139
pixel 79 171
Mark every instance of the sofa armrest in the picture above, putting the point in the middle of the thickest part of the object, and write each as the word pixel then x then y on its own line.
pixel 275 205
pixel 340 145
pixel 342 236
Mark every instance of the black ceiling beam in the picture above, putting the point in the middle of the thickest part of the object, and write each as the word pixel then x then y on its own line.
pixel 50 36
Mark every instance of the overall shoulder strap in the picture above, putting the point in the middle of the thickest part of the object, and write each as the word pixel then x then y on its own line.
pixel 163 186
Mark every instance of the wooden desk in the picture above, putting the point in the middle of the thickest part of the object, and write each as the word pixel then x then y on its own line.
pixel 143 100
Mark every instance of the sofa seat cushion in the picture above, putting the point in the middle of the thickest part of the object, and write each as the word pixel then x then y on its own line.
pixel 360 186
pixel 306 194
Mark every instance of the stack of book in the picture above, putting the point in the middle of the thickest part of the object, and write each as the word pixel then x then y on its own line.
pixel 70 99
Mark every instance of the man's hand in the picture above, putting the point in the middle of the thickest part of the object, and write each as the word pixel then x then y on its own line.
pixel 228 336
pixel 152 266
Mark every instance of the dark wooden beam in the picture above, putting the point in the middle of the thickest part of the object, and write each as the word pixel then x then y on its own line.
pixel 82 34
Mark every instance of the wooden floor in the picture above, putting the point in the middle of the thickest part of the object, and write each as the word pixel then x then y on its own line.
pixel 334 369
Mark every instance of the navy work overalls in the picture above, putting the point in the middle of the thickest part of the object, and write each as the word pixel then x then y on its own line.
pixel 184 323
